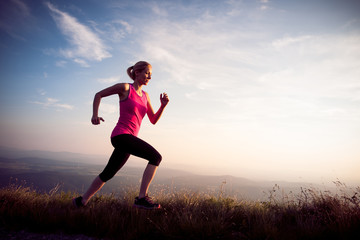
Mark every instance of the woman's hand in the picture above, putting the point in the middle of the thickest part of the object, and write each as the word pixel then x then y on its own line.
pixel 164 99
pixel 96 120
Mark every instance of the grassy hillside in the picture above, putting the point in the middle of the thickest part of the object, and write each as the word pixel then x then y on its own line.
pixel 311 214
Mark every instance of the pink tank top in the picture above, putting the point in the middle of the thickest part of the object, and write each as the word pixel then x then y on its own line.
pixel 132 111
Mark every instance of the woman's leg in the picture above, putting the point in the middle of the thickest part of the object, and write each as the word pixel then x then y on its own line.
pixel 96 185
pixel 116 161
pixel 137 147
pixel 132 145
pixel 148 176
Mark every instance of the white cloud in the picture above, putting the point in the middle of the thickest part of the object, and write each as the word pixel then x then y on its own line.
pixel 61 63
pixel 125 24
pixel 52 103
pixel 114 31
pixel 205 50
pixel 42 92
pixel 287 78
pixel 117 30
pixel 109 80
pixel 286 41
pixel 85 44
pixel 155 8
pixel 64 106
pixel 81 62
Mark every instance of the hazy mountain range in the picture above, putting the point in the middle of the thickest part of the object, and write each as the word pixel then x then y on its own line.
pixel 44 171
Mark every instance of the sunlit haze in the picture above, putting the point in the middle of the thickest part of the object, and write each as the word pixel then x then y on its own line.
pixel 261 89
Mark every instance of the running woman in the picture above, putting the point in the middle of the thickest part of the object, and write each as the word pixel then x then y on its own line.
pixel 134 104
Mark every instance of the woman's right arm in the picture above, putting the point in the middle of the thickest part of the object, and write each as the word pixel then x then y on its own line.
pixel 121 89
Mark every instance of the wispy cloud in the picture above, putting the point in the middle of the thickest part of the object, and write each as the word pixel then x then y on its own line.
pixel 227 62
pixel 206 49
pixel 49 102
pixel 15 16
pixel 61 63
pixel 264 5
pixel 53 103
pixel 113 31
pixel 109 79
pixel 286 41
pixel 156 9
pixel 80 61
pixel 85 44
pixel 41 92
pixel 22 7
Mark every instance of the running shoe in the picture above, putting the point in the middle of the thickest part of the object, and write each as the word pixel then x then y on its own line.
pixel 146 203
pixel 77 202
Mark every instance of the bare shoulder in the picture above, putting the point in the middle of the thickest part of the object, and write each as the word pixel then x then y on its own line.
pixel 125 86
pixel 123 90
pixel 122 86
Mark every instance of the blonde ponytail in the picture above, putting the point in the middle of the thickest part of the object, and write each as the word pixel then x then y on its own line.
pixel 139 66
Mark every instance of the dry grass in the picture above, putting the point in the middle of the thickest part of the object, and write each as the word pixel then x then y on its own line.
pixel 312 214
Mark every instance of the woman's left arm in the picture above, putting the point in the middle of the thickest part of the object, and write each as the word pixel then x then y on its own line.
pixel 154 117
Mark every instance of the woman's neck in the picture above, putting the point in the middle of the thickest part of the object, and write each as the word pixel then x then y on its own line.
pixel 138 88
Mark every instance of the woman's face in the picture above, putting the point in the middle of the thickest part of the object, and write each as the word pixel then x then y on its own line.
pixel 143 77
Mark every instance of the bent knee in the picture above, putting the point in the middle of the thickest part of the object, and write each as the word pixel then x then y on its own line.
pixel 106 176
pixel 156 160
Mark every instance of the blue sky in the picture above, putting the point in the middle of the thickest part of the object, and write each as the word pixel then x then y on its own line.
pixel 262 89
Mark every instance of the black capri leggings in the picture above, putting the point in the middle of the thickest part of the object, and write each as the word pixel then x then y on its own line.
pixel 126 145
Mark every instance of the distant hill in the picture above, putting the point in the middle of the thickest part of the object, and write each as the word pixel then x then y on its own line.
pixel 62 156
pixel 74 172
